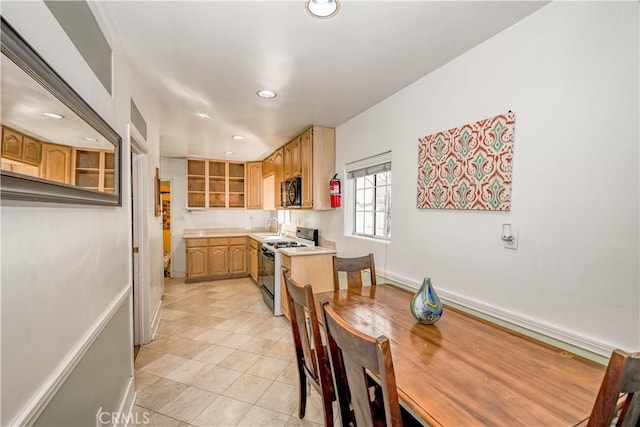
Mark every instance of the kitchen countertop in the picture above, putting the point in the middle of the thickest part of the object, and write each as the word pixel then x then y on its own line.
pixel 200 233
pixel 262 235
pixel 302 251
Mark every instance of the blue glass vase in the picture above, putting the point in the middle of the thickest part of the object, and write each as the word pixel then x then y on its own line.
pixel 426 307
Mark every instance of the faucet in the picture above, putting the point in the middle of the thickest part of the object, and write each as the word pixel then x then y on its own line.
pixel 277 224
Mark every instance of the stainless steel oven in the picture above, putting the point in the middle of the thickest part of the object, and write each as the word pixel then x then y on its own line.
pixel 266 276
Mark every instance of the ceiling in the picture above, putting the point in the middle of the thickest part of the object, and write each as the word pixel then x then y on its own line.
pixel 211 57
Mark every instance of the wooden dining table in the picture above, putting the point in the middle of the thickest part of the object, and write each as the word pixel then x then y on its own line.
pixel 465 371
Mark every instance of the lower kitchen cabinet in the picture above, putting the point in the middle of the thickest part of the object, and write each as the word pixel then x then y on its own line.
pixel 197 253
pixel 316 270
pixel 238 258
pixel 218 265
pixel 253 259
pixel 216 258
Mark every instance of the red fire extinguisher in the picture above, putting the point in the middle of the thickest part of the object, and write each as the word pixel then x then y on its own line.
pixel 334 191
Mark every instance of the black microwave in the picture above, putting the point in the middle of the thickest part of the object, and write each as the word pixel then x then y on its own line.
pixel 291 190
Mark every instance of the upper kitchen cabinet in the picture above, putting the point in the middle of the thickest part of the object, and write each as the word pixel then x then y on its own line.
pixel 254 185
pixel 19 147
pixel 196 184
pixel 278 170
pixel 291 162
pixel 236 185
pixel 93 169
pixel 268 166
pixel 56 163
pixel 217 180
pixel 317 164
pixel 215 184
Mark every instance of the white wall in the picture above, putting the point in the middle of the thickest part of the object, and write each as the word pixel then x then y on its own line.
pixel 181 219
pixel 65 269
pixel 570 73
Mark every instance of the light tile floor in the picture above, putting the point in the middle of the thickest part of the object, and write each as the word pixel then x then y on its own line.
pixel 220 358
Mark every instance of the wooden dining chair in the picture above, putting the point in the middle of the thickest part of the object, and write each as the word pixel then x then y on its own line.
pixel 355 359
pixel 311 355
pixel 621 378
pixel 353 267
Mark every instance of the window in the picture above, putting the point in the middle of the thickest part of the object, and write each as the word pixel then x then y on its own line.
pixel 284 216
pixel 371 201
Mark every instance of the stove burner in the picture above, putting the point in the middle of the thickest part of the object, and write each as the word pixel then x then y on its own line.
pixel 285 244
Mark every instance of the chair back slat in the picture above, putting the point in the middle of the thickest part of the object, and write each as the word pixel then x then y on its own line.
pixel 364 365
pixel 300 325
pixel 621 377
pixel 354 267
pixel 311 354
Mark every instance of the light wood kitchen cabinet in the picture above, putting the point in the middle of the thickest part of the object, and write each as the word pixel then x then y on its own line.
pixel 196 184
pixel 217 180
pixel 318 166
pixel 93 169
pixel 254 185
pixel 218 264
pixel 306 164
pixel 268 167
pixel 21 148
pixel 238 258
pixel 56 163
pixel 236 180
pixel 316 270
pixel 253 259
pixel 31 151
pixel 291 160
pixel 215 184
pixel 197 259
pixel 216 258
pixel 278 170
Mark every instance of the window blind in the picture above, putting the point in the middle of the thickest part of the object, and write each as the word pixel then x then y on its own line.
pixel 370 165
pixel 358 173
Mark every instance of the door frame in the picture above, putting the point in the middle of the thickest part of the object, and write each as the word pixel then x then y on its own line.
pixel 140 269
pixel 170 181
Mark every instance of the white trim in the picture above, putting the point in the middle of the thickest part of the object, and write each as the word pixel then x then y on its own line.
pixel 140 218
pixel 156 320
pixel 128 401
pixel 33 409
pixel 557 337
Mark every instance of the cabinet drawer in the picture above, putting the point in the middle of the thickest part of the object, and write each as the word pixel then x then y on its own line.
pixel 218 241
pixel 238 241
pixel 195 243
pixel 253 244
pixel 286 261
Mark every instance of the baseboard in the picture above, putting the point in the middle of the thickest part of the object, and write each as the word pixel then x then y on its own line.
pixel 577 344
pixel 126 406
pixel 39 401
pixel 155 322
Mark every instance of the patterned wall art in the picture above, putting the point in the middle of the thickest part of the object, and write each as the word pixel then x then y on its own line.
pixel 468 167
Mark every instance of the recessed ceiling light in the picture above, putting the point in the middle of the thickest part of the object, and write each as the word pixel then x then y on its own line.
pixel 322 8
pixel 266 94
pixel 238 137
pixel 88 138
pixel 54 115
pixel 229 153
pixel 203 116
